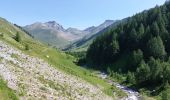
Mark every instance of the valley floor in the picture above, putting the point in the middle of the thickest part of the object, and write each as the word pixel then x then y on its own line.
pixel 33 78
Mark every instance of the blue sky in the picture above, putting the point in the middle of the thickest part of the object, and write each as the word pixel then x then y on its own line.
pixel 72 13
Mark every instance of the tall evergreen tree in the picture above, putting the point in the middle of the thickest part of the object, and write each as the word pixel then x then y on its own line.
pixel 155 29
pixel 141 31
pixel 156 70
pixel 156 47
pixel 18 37
pixel 115 47
pixel 143 72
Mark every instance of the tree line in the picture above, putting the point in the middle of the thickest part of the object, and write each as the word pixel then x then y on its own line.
pixel 145 39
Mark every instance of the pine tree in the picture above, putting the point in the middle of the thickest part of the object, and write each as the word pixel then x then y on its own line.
pixel 133 34
pixel 155 29
pixel 163 32
pixel 137 57
pixel 166 72
pixel 141 31
pixel 143 72
pixel 18 37
pixel 156 47
pixel 165 93
pixel 1 34
pixel 130 78
pixel 115 47
pixel 132 39
pixel 156 70
pixel 27 47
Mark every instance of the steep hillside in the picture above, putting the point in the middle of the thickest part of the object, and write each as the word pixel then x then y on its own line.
pixel 31 70
pixel 32 77
pixel 138 50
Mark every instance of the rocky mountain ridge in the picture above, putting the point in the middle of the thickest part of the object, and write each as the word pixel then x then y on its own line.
pixel 54 34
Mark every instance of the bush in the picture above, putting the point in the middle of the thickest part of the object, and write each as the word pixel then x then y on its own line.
pixel 1 34
pixel 130 78
pixel 166 94
pixel 27 47
pixel 18 37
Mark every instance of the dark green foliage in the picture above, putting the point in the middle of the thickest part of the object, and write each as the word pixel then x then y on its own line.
pixel 147 31
pixel 155 29
pixel 156 70
pixel 137 58
pixel 133 60
pixel 141 31
pixel 132 39
pixel 115 47
pixel 156 47
pixel 109 71
pixel 1 34
pixel 145 38
pixel 166 72
pixel 143 72
pixel 104 51
pixel 24 30
pixel 130 78
pixel 80 57
pixel 165 95
pixel 27 47
pixel 166 92
pixel 18 37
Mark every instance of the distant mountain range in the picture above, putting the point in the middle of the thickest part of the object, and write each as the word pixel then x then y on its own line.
pixel 83 43
pixel 54 34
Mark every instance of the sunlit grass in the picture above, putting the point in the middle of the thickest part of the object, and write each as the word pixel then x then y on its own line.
pixel 6 93
pixel 59 60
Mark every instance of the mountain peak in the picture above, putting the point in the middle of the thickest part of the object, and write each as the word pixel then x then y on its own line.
pixel 54 25
pixel 109 20
pixel 53 22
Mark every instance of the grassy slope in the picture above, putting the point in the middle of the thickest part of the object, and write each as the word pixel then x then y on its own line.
pixel 82 47
pixel 56 58
pixel 6 93
pixel 50 38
